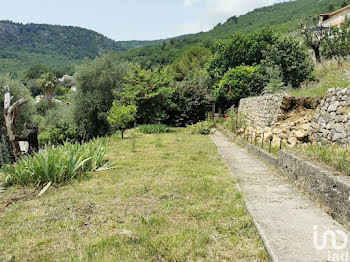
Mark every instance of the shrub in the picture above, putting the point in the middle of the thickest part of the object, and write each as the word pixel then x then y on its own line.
pixel 58 126
pixel 153 129
pixel 42 107
pixel 203 128
pixel 336 45
pixel 120 117
pixel 57 164
pixel 239 82
pixel 6 154
pixel 192 103
pixel 58 133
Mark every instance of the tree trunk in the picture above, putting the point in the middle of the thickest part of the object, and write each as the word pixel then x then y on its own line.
pixel 213 108
pixel 49 98
pixel 122 131
pixel 317 54
pixel 10 115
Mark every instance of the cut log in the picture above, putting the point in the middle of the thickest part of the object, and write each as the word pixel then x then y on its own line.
pixel 10 115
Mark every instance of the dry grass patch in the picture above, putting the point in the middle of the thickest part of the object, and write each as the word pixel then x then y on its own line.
pixel 170 198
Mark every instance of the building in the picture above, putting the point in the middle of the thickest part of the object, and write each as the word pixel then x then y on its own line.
pixel 335 19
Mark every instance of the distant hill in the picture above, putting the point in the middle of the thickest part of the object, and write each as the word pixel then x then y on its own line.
pixel 23 45
pixel 282 17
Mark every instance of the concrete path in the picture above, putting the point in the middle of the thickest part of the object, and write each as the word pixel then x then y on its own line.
pixel 288 221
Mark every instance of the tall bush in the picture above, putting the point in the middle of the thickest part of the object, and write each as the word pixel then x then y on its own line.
pixel 237 83
pixel 151 91
pixel 336 45
pixel 192 102
pixel 292 59
pixel 97 81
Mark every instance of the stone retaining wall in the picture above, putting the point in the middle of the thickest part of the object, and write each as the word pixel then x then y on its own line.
pixel 262 110
pixel 332 192
pixel 331 122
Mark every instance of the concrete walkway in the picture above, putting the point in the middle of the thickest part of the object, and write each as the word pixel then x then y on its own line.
pixel 288 221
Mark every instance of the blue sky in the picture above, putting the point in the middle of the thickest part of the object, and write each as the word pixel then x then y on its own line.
pixel 130 19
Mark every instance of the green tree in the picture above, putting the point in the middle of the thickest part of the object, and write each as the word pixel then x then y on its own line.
pixel 47 82
pixel 240 50
pixel 192 102
pixel 24 114
pixel 120 117
pixel 194 57
pixel 237 83
pixel 35 71
pixel 151 91
pixel 336 45
pixel 97 82
pixel 291 58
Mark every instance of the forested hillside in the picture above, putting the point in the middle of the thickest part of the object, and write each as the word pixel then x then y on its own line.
pixel 26 44
pixel 23 45
pixel 282 17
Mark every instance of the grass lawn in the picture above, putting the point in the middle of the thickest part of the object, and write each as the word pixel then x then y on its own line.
pixel 328 74
pixel 170 198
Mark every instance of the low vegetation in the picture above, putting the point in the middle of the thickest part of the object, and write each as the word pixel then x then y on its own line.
pixel 153 129
pixel 203 128
pixel 177 202
pixel 57 164
pixel 328 74
pixel 335 156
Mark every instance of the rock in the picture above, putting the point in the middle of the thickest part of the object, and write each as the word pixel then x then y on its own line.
pixel 300 135
pixel 276 141
pixel 268 136
pixel 284 136
pixel 305 126
pixel 337 136
pixel 292 141
pixel 334 106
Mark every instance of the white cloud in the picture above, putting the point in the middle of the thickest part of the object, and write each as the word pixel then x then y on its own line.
pixel 190 3
pixel 218 11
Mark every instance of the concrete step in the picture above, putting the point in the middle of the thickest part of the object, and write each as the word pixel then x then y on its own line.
pixel 292 227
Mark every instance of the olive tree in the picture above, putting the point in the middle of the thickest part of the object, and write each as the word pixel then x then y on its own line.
pixel 98 83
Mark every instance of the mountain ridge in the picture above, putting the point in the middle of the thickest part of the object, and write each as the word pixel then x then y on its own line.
pixel 23 45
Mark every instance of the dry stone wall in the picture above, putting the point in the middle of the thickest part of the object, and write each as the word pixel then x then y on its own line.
pixel 331 121
pixel 261 111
